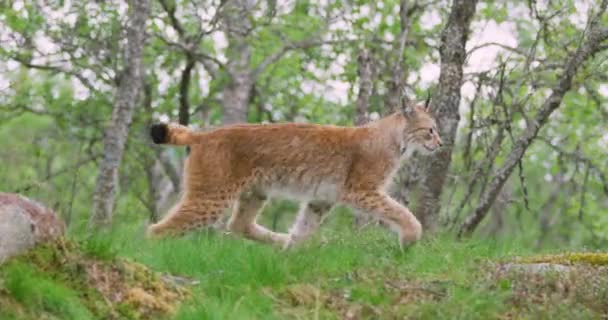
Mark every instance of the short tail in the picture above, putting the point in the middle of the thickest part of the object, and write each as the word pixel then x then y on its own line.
pixel 172 133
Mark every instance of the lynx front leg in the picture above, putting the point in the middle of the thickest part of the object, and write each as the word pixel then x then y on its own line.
pixel 307 221
pixel 396 215
pixel 243 219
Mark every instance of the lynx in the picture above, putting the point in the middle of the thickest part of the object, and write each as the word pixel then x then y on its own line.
pixel 240 166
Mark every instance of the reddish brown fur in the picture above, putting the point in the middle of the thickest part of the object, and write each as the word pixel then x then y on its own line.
pixel 239 166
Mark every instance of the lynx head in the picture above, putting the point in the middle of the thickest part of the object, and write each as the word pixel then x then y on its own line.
pixel 421 130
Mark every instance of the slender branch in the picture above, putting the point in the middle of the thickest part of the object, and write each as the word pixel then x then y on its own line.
pixel 304 44
pixel 546 220
pixel 171 13
pixel 203 58
pixel 469 137
pixel 583 193
pixel 52 174
pixel 478 173
pixel 578 157
pixel 596 98
pixel 189 44
pixel 497 44
pixel 56 69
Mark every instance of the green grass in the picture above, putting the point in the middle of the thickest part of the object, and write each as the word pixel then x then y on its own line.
pixel 339 272
pixel 41 294
pixel 240 279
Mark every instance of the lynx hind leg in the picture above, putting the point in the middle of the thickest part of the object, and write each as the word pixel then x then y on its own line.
pixel 398 217
pixel 188 215
pixel 244 215
pixel 307 221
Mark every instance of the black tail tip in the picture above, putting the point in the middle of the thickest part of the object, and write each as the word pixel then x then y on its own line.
pixel 159 133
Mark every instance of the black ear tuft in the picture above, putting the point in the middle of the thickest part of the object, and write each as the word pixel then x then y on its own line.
pixel 427 102
pixel 159 133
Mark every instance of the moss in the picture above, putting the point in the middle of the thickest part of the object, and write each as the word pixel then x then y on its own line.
pixel 588 258
pixel 140 292
pixel 61 280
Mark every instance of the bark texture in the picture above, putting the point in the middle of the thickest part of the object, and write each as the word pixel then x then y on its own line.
pixel 163 178
pixel 396 83
pixel 236 94
pixel 592 43
pixel 116 132
pixel 184 90
pixel 365 87
pixel 445 103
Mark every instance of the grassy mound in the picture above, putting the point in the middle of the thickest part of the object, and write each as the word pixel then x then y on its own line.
pixel 61 281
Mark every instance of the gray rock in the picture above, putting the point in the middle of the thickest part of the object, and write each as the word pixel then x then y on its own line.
pixel 25 223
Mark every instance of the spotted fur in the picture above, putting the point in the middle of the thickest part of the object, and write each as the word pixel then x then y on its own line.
pixel 238 167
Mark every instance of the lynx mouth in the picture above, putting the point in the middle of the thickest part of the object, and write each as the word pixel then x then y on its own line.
pixel 429 149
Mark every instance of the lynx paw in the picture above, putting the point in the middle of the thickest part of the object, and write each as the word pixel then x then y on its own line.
pixel 410 235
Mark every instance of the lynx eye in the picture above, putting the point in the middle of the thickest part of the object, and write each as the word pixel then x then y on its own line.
pixel 431 130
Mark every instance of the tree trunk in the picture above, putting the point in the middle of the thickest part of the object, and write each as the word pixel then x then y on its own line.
pixel 160 190
pixel 235 97
pixel 184 89
pixel 396 98
pixel 365 87
pixel 445 105
pixel 596 35
pixel 365 73
pixel 396 84
pixel 117 131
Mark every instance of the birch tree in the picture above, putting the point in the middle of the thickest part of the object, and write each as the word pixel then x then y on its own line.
pixel 117 130
pixel 445 104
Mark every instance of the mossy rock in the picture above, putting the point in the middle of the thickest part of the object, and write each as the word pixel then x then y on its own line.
pixel 570 258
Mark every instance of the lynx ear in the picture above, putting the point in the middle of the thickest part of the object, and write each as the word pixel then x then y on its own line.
pixel 427 102
pixel 407 109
